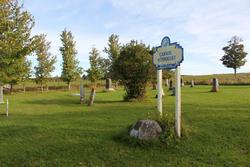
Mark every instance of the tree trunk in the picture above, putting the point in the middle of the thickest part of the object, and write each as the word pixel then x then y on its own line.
pixel 69 86
pixel 47 88
pixel 235 72
pixel 11 89
pixel 42 88
pixel 24 88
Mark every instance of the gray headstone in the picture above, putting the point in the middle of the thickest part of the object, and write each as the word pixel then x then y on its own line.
pixel 91 97
pixel 1 94
pixel 173 91
pixel 109 85
pixel 82 93
pixel 170 85
pixel 215 87
pixel 192 84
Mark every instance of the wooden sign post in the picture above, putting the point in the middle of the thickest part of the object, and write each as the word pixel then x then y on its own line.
pixel 169 56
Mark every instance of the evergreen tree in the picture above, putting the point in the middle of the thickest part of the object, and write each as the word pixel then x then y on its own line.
pixel 113 50
pixel 70 69
pixel 95 71
pixel 16 41
pixel 235 56
pixel 45 62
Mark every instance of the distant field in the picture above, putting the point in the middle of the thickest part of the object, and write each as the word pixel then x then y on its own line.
pixel 53 129
pixel 225 79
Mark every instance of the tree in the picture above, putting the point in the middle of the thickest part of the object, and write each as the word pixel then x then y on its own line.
pixel 16 41
pixel 95 71
pixel 113 51
pixel 45 62
pixel 134 67
pixel 105 66
pixel 26 73
pixel 70 67
pixel 235 55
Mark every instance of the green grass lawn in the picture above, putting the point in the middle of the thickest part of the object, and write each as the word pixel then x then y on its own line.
pixel 52 129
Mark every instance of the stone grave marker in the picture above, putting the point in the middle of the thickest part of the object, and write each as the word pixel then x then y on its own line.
pixel 192 84
pixel 173 91
pixel 91 97
pixel 166 82
pixel 215 86
pixel 182 83
pixel 109 85
pixel 82 93
pixel 1 94
pixel 170 85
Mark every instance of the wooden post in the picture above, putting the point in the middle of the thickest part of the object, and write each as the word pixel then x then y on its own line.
pixel 178 103
pixel 159 86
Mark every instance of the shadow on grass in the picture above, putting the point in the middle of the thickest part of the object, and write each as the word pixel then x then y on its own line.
pixel 63 102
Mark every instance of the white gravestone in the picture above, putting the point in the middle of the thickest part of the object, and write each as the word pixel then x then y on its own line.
pixel 1 94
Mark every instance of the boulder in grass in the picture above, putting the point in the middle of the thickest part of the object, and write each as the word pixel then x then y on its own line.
pixel 146 130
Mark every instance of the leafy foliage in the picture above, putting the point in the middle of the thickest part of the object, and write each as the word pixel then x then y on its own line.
pixel 16 41
pixel 95 72
pixel 234 54
pixel 71 70
pixel 134 66
pixel 113 50
pixel 45 61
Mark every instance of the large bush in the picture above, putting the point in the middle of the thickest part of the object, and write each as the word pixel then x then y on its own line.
pixel 134 66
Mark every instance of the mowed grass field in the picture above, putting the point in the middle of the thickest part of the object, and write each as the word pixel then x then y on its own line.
pixel 53 129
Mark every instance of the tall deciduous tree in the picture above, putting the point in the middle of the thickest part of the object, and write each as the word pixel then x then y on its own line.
pixel 234 56
pixel 26 73
pixel 45 62
pixel 70 67
pixel 95 71
pixel 113 50
pixel 16 41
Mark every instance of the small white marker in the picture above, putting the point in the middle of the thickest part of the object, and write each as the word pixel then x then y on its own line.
pixel 7 107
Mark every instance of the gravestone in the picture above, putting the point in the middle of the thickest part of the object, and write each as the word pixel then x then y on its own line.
pixel 91 97
pixel 166 82
pixel 192 84
pixel 145 130
pixel 173 91
pixel 109 85
pixel 170 85
pixel 116 85
pixel 182 83
pixel 82 93
pixel 1 94
pixel 215 87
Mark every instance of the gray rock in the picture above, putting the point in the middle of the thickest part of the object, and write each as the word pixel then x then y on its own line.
pixel 145 130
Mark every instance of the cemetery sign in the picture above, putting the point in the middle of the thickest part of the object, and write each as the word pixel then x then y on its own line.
pixel 168 55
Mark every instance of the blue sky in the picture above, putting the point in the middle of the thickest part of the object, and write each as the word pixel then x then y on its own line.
pixel 202 27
